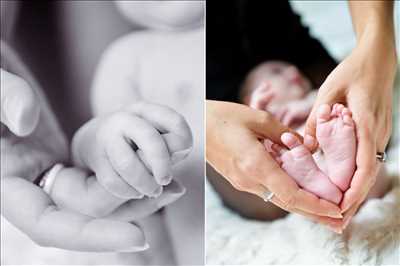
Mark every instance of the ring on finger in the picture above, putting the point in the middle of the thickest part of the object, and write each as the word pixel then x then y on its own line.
pixel 48 179
pixel 381 156
pixel 267 195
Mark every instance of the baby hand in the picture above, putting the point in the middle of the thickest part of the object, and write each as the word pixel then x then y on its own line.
pixel 274 83
pixel 295 112
pixel 292 112
pixel 131 151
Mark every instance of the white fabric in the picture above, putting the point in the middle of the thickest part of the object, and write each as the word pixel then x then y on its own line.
pixel 372 237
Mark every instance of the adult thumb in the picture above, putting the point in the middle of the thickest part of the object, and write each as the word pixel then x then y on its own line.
pixel 20 107
pixel 310 130
pixel 265 125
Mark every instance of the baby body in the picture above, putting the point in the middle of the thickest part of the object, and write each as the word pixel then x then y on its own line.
pixel 165 68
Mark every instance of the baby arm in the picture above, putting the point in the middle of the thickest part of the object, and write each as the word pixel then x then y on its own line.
pixel 115 83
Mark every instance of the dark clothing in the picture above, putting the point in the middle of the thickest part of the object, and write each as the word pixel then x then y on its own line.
pixel 241 34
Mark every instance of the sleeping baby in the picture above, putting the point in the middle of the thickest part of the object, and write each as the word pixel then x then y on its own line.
pixel 281 89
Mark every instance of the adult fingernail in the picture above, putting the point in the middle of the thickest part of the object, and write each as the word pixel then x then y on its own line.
pixel 165 180
pixel 136 249
pixel 346 222
pixel 335 215
pixel 180 155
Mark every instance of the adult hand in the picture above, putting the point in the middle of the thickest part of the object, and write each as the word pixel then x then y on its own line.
pixel 363 82
pixel 31 142
pixel 234 149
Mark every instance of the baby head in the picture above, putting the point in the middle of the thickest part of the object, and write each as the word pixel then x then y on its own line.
pixel 283 78
pixel 164 15
pixel 286 77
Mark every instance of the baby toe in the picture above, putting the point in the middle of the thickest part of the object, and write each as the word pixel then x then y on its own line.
pixel 334 109
pixel 278 149
pixel 268 145
pixel 300 152
pixel 347 120
pixel 290 140
pixel 346 111
pixel 323 113
pixel 338 108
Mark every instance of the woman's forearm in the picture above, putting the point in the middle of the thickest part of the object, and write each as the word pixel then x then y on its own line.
pixel 376 16
pixel 374 27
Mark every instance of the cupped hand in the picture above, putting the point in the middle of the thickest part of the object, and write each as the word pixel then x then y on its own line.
pixel 31 142
pixel 235 150
pixel 363 82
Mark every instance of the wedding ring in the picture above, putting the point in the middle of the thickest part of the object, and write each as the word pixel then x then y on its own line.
pixel 267 195
pixel 381 156
pixel 47 181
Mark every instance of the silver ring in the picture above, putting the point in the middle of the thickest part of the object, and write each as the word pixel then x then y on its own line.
pixel 381 156
pixel 48 179
pixel 267 195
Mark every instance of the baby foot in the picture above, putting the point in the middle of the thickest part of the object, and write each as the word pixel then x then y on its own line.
pixel 337 139
pixel 299 164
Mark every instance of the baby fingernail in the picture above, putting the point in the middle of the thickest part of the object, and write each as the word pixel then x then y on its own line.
pixel 136 249
pixel 166 180
pixel 180 155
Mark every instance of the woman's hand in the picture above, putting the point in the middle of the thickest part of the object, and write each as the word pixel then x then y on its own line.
pixel 234 149
pixel 363 82
pixel 31 142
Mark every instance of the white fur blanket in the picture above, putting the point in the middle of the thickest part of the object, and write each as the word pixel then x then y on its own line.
pixel 372 238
